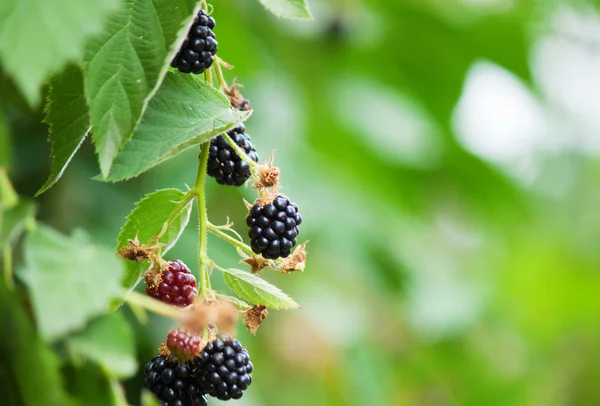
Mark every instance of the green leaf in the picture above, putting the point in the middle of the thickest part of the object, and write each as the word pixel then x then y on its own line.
pixel 294 9
pixel 91 387
pixel 33 370
pixel 37 36
pixel 257 290
pixel 68 118
pixel 184 113
pixel 5 142
pixel 125 66
pixel 147 220
pixel 14 220
pixel 8 195
pixel 70 280
pixel 108 341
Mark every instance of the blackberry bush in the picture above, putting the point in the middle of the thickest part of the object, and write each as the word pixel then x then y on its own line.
pixel 175 285
pixel 224 164
pixel 274 227
pixel 173 383
pixel 199 47
pixel 223 369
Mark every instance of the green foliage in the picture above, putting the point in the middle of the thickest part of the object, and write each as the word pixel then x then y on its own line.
pixel 14 220
pixel 294 9
pixel 108 341
pixel 166 212
pixel 187 109
pixel 58 273
pixel 50 34
pixel 125 66
pixel 92 387
pixel 68 118
pixel 257 290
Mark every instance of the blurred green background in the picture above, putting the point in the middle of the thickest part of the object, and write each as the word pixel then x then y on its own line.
pixel 444 155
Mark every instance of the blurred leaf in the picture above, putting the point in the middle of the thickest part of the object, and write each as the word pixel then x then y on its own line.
pixel 295 9
pixel 147 220
pixel 148 399
pixel 91 387
pixel 108 341
pixel 37 37
pixel 125 66
pixel 5 142
pixel 69 279
pixel 14 220
pixel 8 196
pixel 33 366
pixel 257 290
pixel 189 110
pixel 68 119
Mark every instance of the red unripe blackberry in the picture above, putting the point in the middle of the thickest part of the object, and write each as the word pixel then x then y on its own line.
pixel 274 227
pixel 183 344
pixel 224 164
pixel 199 47
pixel 173 383
pixel 175 285
pixel 223 369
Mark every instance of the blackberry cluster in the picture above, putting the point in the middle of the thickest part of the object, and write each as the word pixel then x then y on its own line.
pixel 177 285
pixel 224 369
pixel 274 227
pixel 173 383
pixel 199 47
pixel 224 164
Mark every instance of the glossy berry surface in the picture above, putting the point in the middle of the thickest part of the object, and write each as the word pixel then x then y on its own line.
pixel 176 285
pixel 199 47
pixel 274 227
pixel 224 164
pixel 223 369
pixel 183 344
pixel 173 383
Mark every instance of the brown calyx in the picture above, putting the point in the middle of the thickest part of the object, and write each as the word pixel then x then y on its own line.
pixel 297 261
pixel 253 317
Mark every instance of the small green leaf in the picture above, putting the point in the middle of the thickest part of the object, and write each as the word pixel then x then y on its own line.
pixel 14 220
pixel 148 219
pixel 109 342
pixel 294 9
pixel 184 113
pixel 70 280
pixel 33 369
pixel 38 36
pixel 125 66
pixel 257 290
pixel 68 118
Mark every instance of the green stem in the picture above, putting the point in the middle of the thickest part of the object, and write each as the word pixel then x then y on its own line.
pixel 216 231
pixel 239 151
pixel 219 73
pixel 208 76
pixel 7 264
pixel 202 221
pixel 140 300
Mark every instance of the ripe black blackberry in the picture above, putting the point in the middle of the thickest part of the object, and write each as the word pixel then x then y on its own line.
pixel 224 164
pixel 173 383
pixel 223 369
pixel 274 227
pixel 175 285
pixel 199 47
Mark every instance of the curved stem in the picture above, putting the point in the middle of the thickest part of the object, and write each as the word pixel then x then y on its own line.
pixel 239 151
pixel 140 300
pixel 219 233
pixel 8 266
pixel 219 74
pixel 202 221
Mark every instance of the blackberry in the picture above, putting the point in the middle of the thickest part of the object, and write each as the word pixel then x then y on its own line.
pixel 199 47
pixel 183 344
pixel 274 227
pixel 173 383
pixel 224 164
pixel 175 285
pixel 223 369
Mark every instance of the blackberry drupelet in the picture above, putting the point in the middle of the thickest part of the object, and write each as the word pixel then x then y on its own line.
pixel 173 383
pixel 199 47
pixel 175 285
pixel 223 369
pixel 224 164
pixel 274 227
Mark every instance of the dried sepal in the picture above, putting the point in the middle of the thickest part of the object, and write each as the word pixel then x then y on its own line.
pixel 257 263
pixel 268 175
pixel 236 99
pixel 226 318
pixel 295 262
pixel 200 315
pixel 135 251
pixel 253 317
